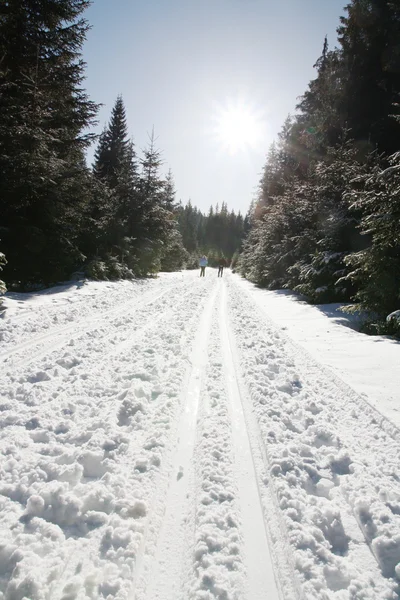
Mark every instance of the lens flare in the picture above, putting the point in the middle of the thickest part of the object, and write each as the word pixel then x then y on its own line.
pixel 239 127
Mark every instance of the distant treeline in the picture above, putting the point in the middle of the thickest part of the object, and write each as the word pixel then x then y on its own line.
pixel 218 234
pixel 326 221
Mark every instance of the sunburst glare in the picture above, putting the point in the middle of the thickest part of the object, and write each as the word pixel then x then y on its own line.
pixel 239 127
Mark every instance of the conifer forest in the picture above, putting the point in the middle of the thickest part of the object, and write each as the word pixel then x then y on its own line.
pixel 326 218
pixel 326 221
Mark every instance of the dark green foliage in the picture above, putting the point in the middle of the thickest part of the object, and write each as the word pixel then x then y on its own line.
pixel 234 261
pixel 370 58
pixel 133 217
pixel 326 219
pixel 175 255
pixel 218 234
pixel 376 270
pixel 190 222
pixel 381 327
pixel 43 114
pixel 333 228
pixel 114 155
pixel 55 214
pixel 115 203
pixel 157 236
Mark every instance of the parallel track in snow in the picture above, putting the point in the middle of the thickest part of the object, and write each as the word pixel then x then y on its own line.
pixel 184 449
pixel 159 577
pixel 41 345
pixel 176 549
pixel 326 458
pixel 251 473
pixel 153 478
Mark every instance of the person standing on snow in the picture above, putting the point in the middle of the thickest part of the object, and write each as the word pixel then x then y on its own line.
pixel 221 265
pixel 203 262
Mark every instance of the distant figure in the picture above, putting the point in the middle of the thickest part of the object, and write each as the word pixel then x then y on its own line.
pixel 221 265
pixel 203 262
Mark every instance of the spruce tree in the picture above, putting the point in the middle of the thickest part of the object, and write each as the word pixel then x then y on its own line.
pixel 320 122
pixel 116 206
pixel 375 270
pixel 169 192
pixel 217 234
pixel 188 226
pixel 321 273
pixel 174 255
pixel 113 150
pixel 150 226
pixel 369 36
pixel 44 113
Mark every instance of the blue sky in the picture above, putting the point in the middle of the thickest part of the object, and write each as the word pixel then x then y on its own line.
pixel 181 65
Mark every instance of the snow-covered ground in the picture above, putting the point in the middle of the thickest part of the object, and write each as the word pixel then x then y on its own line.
pixel 185 438
pixel 369 364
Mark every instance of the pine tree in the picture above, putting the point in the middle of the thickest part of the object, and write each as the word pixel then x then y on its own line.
pixel 375 270
pixel 218 234
pixel 302 225
pixel 369 36
pixel 321 272
pixel 188 226
pixel 174 255
pixel 44 112
pixel 152 223
pixel 116 209
pixel 320 123
pixel 113 151
pixel 168 195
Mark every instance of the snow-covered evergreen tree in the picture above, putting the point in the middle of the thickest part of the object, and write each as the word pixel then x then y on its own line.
pixel 321 272
pixel 316 188
pixel 44 114
pixel 117 206
pixel 375 270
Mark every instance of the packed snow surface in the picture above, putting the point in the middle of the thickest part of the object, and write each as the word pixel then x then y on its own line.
pixel 185 438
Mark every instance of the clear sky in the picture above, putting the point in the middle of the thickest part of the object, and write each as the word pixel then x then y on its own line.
pixel 216 79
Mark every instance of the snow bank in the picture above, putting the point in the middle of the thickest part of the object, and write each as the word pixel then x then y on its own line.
pixel 368 364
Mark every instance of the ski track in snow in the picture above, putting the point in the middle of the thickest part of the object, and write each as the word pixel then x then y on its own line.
pixel 333 468
pixel 163 579
pixel 164 440
pixel 32 349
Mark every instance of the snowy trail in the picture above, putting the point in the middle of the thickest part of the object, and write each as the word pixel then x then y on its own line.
pixel 40 345
pixel 167 441
pixel 260 572
pixel 165 571
pixel 334 467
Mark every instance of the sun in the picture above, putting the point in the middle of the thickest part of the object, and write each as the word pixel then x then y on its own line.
pixel 239 127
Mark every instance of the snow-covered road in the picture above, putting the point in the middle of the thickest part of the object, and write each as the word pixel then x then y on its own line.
pixel 166 440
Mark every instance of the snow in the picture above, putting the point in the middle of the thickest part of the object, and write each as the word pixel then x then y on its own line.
pixel 370 365
pixel 184 438
pixel 395 316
